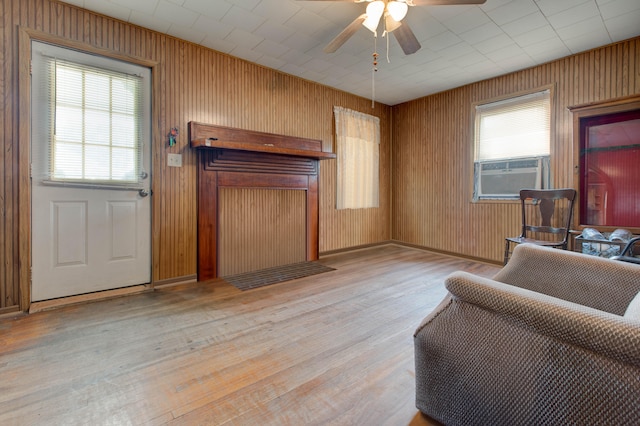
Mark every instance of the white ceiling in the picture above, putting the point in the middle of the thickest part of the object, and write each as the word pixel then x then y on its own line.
pixel 460 44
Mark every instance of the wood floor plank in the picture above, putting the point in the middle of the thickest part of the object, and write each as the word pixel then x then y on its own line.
pixel 335 348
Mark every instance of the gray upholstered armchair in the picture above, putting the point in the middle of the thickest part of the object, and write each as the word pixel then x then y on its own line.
pixel 546 341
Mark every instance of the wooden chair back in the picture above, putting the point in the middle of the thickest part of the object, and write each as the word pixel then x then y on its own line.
pixel 554 212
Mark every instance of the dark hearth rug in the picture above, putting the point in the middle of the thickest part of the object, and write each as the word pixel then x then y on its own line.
pixel 277 274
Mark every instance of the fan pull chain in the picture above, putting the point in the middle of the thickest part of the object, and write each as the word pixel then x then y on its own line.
pixel 374 69
pixel 388 60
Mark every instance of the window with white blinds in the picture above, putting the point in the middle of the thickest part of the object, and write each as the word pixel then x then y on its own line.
pixel 513 128
pixel 93 124
pixel 512 141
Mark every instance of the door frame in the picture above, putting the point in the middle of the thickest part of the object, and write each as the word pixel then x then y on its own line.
pixel 25 37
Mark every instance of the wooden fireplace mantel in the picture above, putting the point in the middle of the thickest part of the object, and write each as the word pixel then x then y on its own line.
pixel 236 158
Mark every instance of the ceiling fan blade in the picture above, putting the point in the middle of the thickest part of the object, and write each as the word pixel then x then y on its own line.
pixel 446 2
pixel 406 39
pixel 345 34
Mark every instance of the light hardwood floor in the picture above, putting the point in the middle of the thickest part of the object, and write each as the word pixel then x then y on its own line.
pixel 334 348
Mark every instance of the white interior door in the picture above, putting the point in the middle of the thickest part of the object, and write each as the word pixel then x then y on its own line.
pixel 91 220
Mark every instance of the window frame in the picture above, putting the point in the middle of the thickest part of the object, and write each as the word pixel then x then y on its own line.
pixel 546 177
pixel 42 164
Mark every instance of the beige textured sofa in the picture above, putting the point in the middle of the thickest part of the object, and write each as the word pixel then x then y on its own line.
pixel 543 342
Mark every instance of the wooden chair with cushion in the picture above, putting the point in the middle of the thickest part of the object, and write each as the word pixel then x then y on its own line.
pixel 546 221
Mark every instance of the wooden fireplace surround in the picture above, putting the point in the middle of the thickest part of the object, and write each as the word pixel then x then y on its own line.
pixel 236 158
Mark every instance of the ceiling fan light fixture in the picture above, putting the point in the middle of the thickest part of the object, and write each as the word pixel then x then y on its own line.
pixel 397 10
pixel 375 9
pixel 390 24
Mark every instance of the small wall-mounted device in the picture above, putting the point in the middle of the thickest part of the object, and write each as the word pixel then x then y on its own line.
pixel 174 160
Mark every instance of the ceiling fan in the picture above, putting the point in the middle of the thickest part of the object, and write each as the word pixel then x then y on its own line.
pixel 393 12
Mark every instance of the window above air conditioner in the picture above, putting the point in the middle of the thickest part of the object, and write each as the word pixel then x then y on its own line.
pixel 505 178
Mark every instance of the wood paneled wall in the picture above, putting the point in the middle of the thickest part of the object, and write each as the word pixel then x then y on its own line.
pixel 190 83
pixel 432 146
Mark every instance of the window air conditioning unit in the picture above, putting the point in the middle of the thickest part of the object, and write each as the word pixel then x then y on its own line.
pixel 505 178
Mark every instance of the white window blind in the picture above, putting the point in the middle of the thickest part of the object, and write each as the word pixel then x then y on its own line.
pixel 95 124
pixel 513 128
pixel 358 157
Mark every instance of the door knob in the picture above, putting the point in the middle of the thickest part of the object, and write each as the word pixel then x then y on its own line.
pixel 143 192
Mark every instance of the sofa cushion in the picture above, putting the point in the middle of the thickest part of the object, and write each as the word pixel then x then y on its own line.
pixel 633 310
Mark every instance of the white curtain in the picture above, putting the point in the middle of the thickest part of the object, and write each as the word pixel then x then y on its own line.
pixel 358 157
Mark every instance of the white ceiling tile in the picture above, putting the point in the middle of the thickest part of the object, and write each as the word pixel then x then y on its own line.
pixel 457 50
pixel 516 63
pixel 574 15
pixel 243 19
pixel 624 26
pixel 270 48
pixel 547 50
pixel 343 12
pixel 511 11
pixel 449 72
pixel 292 69
pixel 486 68
pixel 208 8
pixel 299 42
pixel 469 59
pixel 276 11
pixel 344 59
pixel 435 66
pixel 109 9
pixel 585 41
pixel 494 4
pixel 178 15
pixel 148 21
pixel 212 28
pixel 591 25
pixel 243 38
pixel 619 7
pixel 273 31
pixel 307 22
pixel 246 54
pixel 467 20
pixel 442 13
pixel 273 63
pixel 539 34
pixel 423 24
pixel 506 54
pixel 186 33
pixel 218 44
pixel 500 42
pixel 144 6
pixel 525 24
pixel 295 58
pixel 318 65
pixel 443 41
pixel 312 75
pixel 246 4
pixel 484 32
pixel 552 7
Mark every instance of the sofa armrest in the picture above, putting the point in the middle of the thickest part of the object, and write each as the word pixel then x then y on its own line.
pixel 599 283
pixel 610 335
